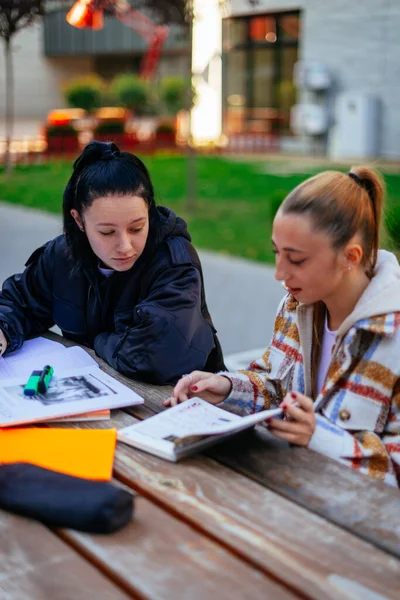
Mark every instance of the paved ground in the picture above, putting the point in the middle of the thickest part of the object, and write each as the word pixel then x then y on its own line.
pixel 242 295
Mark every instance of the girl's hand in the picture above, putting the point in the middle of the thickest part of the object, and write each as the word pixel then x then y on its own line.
pixel 300 420
pixel 3 343
pixel 212 388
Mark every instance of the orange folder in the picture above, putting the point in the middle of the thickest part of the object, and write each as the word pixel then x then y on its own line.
pixel 87 453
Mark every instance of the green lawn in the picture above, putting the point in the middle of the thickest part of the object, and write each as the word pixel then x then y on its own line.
pixel 235 202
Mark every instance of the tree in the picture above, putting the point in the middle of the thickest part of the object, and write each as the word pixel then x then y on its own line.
pixel 14 16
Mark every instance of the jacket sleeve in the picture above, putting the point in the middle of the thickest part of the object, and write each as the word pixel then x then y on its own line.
pixel 370 453
pixel 169 335
pixel 26 299
pixel 264 383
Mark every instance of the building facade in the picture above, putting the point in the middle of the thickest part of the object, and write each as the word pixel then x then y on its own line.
pixel 49 54
pixel 355 44
pixel 244 57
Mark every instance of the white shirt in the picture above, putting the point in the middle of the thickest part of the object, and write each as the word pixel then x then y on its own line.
pixel 106 272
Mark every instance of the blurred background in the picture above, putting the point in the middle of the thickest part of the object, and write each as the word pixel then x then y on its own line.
pixel 230 103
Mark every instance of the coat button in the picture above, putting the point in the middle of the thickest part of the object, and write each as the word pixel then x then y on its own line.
pixel 344 414
pixel 268 368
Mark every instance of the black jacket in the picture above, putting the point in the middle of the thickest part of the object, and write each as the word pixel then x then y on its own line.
pixel 149 323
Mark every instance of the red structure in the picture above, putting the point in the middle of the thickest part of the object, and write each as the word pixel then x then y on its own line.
pixel 90 14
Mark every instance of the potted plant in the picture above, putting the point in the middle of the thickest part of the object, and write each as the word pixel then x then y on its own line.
pixel 131 93
pixel 61 139
pixel 165 134
pixel 112 130
pixel 176 94
pixel 85 92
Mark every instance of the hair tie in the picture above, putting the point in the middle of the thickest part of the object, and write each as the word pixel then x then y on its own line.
pixel 110 154
pixel 355 177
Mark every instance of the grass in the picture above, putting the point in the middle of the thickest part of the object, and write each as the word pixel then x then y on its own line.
pixel 235 205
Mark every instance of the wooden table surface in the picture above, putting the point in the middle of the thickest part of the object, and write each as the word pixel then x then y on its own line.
pixel 251 518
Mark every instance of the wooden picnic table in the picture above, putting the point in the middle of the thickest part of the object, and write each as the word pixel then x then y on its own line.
pixel 251 518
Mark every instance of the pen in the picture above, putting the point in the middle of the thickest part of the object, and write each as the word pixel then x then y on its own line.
pixel 45 378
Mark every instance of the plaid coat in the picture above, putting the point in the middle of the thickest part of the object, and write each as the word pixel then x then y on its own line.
pixel 358 409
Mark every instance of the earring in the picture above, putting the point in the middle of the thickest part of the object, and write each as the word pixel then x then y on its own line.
pixel 349 268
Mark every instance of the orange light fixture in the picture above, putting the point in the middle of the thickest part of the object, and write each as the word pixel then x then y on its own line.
pixel 64 116
pixel 83 15
pixel 115 113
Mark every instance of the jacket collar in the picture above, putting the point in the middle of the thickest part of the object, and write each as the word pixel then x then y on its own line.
pixel 377 308
pixel 384 325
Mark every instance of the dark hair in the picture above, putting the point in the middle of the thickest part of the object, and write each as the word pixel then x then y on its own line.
pixel 342 205
pixel 101 170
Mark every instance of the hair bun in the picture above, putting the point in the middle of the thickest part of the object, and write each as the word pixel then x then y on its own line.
pixel 94 152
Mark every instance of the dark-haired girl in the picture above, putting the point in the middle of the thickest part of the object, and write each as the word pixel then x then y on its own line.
pixel 123 279
pixel 333 362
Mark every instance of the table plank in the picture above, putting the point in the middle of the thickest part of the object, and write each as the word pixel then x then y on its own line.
pixel 159 557
pixel 277 536
pixel 282 539
pixel 362 505
pixel 365 507
pixel 35 564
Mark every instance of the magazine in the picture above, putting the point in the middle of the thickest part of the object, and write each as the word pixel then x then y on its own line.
pixel 78 385
pixel 187 428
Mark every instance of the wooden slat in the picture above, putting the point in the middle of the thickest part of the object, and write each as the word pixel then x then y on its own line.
pixel 36 565
pixel 276 535
pixel 283 540
pixel 159 557
pixel 363 506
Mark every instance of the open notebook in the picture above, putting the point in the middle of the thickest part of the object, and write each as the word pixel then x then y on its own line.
pixel 187 428
pixel 78 386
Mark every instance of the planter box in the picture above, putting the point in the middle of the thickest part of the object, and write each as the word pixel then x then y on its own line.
pixel 124 141
pixel 165 139
pixel 62 144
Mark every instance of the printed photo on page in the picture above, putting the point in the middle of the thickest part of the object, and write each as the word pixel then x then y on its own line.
pixel 80 390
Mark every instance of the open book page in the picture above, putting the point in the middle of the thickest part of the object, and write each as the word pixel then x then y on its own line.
pixel 78 391
pixel 185 423
pixel 35 354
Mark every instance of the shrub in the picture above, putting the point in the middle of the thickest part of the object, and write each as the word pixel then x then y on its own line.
pixel 85 92
pixel 109 126
pixel 131 92
pixel 65 130
pixel 177 94
pixel 165 127
pixel 392 222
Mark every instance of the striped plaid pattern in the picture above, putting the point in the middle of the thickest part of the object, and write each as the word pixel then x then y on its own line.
pixel 358 409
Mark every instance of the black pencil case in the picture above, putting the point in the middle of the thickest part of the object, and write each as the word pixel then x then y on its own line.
pixel 59 500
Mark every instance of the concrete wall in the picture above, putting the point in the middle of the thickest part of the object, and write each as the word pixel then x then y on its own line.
pixel 38 79
pixel 359 43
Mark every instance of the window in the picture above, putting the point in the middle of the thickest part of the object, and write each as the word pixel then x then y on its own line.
pixel 259 53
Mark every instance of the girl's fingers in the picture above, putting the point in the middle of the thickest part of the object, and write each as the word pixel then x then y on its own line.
pixel 296 413
pixel 280 425
pixel 291 438
pixel 186 381
pixel 202 385
pixel 301 401
pixel 174 400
